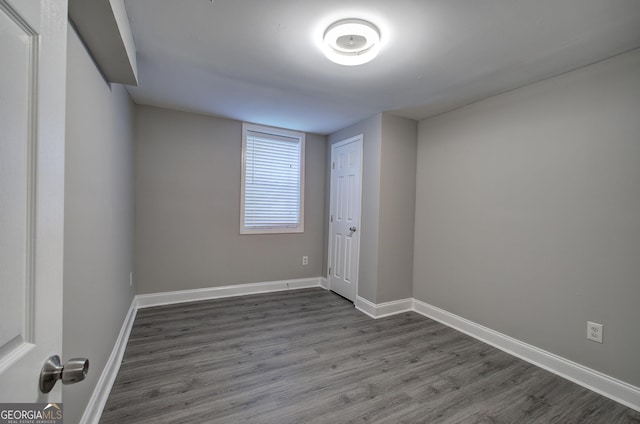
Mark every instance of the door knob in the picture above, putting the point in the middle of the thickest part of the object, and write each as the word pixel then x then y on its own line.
pixel 73 371
pixel 352 229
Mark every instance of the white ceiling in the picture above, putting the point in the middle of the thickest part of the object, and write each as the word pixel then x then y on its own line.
pixel 258 60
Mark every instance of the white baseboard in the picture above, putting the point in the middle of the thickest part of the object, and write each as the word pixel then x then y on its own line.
pixel 98 399
pixel 324 283
pixel 596 381
pixel 167 298
pixel 382 310
pixel 366 307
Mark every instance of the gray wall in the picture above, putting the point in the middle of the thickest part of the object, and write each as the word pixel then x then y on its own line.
pixel 397 208
pixel 98 246
pixel 188 170
pixel 369 221
pixel 528 214
pixel 388 205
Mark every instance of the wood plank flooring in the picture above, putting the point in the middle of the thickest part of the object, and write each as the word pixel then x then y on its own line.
pixel 308 356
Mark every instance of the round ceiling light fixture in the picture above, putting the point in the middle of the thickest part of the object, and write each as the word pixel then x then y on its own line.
pixel 351 42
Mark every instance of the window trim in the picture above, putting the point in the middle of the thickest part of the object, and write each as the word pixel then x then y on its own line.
pixel 246 128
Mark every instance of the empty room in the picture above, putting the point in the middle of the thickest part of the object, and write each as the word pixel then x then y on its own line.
pixel 285 211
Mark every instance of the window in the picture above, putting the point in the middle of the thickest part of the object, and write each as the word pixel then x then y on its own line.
pixel 272 180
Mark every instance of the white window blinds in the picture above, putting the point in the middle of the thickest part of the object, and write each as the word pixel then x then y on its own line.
pixel 273 183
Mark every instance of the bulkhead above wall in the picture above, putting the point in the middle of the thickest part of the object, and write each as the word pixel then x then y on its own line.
pixel 104 28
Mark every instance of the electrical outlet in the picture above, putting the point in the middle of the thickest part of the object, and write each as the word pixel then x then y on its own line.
pixel 305 260
pixel 594 331
pixel 130 279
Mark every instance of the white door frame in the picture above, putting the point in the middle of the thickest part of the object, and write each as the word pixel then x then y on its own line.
pixel 358 139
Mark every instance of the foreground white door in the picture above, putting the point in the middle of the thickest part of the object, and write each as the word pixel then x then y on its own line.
pixel 32 121
pixel 344 225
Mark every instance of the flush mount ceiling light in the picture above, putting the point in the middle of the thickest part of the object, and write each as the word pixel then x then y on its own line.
pixel 351 42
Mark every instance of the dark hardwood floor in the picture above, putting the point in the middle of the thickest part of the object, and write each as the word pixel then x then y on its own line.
pixel 308 356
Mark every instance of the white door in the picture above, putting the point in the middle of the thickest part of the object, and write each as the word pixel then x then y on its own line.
pixel 344 222
pixel 33 39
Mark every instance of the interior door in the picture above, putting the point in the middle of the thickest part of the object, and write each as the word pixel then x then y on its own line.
pixel 344 225
pixel 32 121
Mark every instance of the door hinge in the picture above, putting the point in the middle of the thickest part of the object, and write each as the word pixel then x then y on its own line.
pixel 333 165
pixel 331 218
pixel 329 271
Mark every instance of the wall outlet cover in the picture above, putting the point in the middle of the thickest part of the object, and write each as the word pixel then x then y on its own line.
pixel 594 331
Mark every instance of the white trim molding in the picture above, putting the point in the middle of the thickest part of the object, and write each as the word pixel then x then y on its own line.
pixel 98 399
pixel 181 296
pixel 382 310
pixel 324 283
pixel 593 380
